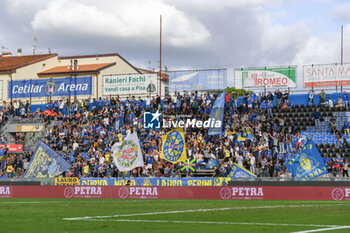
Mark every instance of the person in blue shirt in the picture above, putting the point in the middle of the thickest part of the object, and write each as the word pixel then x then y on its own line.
pixel 149 160
pixel 269 109
pixel 263 106
pixel 340 160
pixel 345 98
pixel 347 126
pixel 317 116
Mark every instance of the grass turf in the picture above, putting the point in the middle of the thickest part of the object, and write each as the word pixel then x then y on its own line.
pixel 46 215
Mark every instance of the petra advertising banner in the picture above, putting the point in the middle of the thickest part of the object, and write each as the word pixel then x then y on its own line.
pixel 130 84
pixel 326 75
pixel 204 192
pixel 282 77
pixel 197 80
pixel 50 87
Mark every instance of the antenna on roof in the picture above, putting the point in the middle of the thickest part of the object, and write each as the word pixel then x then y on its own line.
pixel 35 39
pixel 3 49
pixel 50 51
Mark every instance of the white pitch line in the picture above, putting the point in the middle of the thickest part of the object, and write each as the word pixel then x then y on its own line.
pixel 202 210
pixel 324 229
pixel 224 223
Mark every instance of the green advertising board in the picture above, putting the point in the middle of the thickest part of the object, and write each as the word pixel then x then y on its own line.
pixel 129 84
pixel 266 77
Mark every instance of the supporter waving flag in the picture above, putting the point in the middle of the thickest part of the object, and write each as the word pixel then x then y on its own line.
pixel 45 163
pixel 174 146
pixel 127 154
pixel 217 113
pixel 307 163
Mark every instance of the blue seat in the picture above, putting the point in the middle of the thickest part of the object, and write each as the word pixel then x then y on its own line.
pixel 324 141
pixel 317 141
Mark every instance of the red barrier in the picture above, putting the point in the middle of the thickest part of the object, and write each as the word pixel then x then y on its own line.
pixel 158 192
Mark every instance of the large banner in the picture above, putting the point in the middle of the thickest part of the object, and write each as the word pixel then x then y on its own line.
pixel 197 80
pixel 45 163
pixel 308 163
pixel 238 172
pixel 50 87
pixel 127 154
pixel 174 146
pixel 326 75
pixel 282 77
pixel 217 113
pixel 130 84
pixel 154 181
pixel 335 193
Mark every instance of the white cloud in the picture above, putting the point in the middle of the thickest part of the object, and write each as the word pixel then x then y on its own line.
pixel 341 12
pixel 122 19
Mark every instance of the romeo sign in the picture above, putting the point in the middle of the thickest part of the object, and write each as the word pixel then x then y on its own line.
pixel 266 77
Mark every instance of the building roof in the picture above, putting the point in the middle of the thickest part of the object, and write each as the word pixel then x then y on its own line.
pixel 87 68
pixel 9 64
pixel 163 75
pixel 100 55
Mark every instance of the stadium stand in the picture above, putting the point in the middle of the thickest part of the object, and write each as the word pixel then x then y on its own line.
pixel 258 134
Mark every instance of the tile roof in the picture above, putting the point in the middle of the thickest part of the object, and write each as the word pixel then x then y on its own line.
pixel 164 75
pixel 9 64
pixel 87 68
pixel 100 55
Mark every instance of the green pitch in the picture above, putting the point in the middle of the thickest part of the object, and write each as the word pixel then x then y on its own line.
pixel 112 215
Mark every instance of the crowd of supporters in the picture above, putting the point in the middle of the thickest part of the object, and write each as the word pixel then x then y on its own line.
pixel 83 132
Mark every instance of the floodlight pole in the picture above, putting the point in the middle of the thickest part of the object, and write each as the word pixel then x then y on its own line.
pixel 160 57
pixel 341 55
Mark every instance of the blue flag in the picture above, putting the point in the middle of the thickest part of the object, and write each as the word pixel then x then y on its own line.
pixel 307 163
pixel 217 114
pixel 238 171
pixel 45 163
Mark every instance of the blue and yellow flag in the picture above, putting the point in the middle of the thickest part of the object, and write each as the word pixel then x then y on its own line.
pixel 45 163
pixel 217 114
pixel 238 171
pixel 174 146
pixel 307 163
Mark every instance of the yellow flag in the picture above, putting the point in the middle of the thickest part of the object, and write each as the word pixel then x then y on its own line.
pixel 174 146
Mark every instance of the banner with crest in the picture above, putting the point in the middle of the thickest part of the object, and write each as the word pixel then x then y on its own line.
pixel 45 163
pixel 127 154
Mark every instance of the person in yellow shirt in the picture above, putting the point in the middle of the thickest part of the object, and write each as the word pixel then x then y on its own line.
pixel 9 170
pixel 107 156
pixel 86 170
pixel 227 153
pixel 121 137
